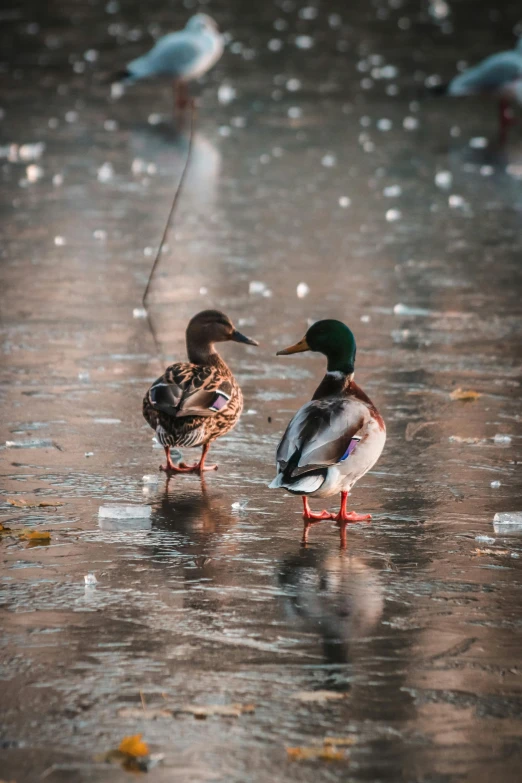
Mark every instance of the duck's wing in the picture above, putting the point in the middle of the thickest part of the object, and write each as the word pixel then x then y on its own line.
pixel 189 390
pixel 489 75
pixel 321 434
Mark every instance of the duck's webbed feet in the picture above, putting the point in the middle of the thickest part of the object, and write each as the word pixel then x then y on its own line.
pixel 344 517
pixel 310 518
pixel 182 467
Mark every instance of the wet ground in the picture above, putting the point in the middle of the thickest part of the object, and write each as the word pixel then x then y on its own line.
pixel 402 216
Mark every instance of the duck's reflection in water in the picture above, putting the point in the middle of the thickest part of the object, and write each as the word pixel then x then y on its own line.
pixel 336 596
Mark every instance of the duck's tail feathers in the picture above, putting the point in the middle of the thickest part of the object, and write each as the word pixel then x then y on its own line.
pixel 300 485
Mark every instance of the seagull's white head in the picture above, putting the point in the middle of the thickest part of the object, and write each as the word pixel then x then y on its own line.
pixel 201 23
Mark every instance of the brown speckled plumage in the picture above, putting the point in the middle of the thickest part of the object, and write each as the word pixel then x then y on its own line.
pixel 195 402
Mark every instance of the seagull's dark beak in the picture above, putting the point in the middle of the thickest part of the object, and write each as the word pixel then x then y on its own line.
pixel 299 347
pixel 237 337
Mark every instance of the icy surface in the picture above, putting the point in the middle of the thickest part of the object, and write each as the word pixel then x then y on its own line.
pixel 113 511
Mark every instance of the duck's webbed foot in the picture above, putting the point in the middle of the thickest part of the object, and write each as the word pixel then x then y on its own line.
pixel 197 467
pixel 344 517
pixel 310 518
pixel 170 467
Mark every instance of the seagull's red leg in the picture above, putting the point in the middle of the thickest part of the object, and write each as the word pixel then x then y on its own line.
pixel 505 119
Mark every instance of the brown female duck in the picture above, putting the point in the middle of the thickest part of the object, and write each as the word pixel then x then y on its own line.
pixel 195 402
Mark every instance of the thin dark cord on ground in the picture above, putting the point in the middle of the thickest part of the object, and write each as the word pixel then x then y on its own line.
pixel 175 200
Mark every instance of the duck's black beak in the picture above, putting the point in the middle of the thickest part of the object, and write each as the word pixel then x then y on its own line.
pixel 299 347
pixel 237 337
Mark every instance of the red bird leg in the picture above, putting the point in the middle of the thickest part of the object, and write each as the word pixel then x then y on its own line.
pixel 311 519
pixel 199 467
pixel 505 119
pixel 344 517
pixel 181 96
pixel 170 467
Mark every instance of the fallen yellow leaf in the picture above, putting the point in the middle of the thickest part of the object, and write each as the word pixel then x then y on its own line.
pixel 34 535
pixel 319 695
pixel 324 753
pixel 466 395
pixel 134 746
pixel 4 529
pixel 492 551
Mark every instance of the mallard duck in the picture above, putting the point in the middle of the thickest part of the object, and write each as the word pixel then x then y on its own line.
pixel 184 55
pixel 195 402
pixel 336 438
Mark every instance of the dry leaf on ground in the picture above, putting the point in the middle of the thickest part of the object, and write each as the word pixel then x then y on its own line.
pixel 21 503
pixel 323 753
pixel 134 746
pixel 413 427
pixel 147 714
pixel 492 551
pixel 34 535
pixel 225 710
pixel 466 395
pixel 133 755
pixel 319 695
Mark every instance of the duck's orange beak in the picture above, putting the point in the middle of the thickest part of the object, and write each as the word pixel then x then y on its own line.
pixel 299 347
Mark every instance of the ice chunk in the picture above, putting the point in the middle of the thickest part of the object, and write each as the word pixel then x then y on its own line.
pixel 117 90
pixel 31 151
pixel 117 511
pixel 91 55
pixel 29 443
pixel 226 94
pixel 393 214
pixel 410 123
pixel 257 287
pixel 384 124
pixel 107 421
pixel 71 116
pixel 89 453
pixel 151 478
pixel 57 180
pixel 344 202
pixel 366 319
pixel 443 179
pixel 203 290
pixel 59 241
pixel 485 539
pixel 402 309
pixel 308 12
pixel 154 119
pixel 303 290
pixel 495 484
pixel 105 172
pixel 455 131
pixel 139 312
pixel 478 143
pixel 100 234
pixel 293 85
pixel 304 41
pixel 392 191
pixel 456 202
pixel 239 505
pixel 84 375
pixel 90 579
pixel 329 160
pixel 275 44
pixel 295 112
pixel 502 440
pixel 34 172
pixel 508 522
pixel 110 125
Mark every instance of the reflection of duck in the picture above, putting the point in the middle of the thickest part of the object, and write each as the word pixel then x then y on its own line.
pixel 337 597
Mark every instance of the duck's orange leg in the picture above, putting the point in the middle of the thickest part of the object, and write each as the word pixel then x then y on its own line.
pixel 170 467
pixel 310 518
pixel 198 467
pixel 344 517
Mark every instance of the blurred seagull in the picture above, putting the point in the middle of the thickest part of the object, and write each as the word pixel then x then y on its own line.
pixel 184 55
pixel 499 76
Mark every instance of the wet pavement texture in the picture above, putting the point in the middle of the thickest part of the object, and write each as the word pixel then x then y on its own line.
pixel 402 216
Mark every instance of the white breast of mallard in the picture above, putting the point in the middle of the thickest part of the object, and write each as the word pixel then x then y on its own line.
pixel 342 476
